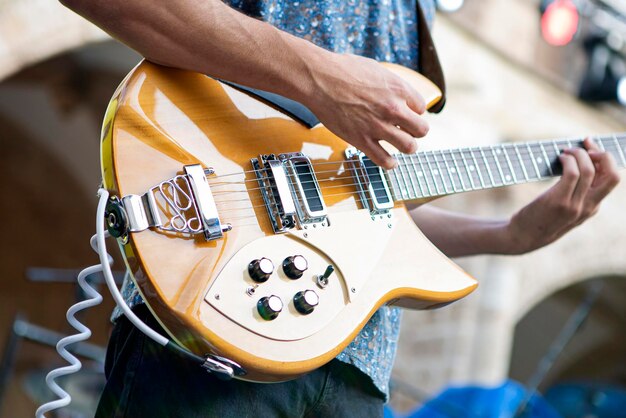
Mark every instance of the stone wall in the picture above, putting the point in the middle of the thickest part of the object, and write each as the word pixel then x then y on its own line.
pixel 34 30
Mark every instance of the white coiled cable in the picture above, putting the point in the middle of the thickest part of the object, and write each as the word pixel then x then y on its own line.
pixel 84 333
pixel 98 244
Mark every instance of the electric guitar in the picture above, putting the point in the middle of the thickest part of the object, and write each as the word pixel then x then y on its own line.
pixel 259 238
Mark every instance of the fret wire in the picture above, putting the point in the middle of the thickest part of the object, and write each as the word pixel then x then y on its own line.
pixel 619 150
pixel 482 153
pixel 410 179
pixel 445 189
pixel 443 155
pixel 467 170
pixel 404 191
pixel 480 176
pixel 398 187
pixel 508 161
pixel 417 177
pixel 495 157
pixel 430 168
pixel 458 172
pixel 600 144
pixel 454 173
pixel 556 149
pixel 391 182
pixel 430 191
pixel 548 162
pixel 519 157
pixel 533 158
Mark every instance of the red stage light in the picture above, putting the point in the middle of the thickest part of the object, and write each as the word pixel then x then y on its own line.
pixel 559 23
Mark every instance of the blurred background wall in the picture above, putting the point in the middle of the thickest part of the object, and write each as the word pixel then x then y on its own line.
pixel 506 83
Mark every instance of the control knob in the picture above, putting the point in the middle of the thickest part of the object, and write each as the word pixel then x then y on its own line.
pixel 260 270
pixel 305 301
pixel 294 266
pixel 269 307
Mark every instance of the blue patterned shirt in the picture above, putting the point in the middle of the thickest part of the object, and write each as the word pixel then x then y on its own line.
pixel 385 30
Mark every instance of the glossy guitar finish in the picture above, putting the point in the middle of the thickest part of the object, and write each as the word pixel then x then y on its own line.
pixel 162 119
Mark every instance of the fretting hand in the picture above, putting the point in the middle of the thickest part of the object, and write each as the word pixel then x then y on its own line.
pixel 588 176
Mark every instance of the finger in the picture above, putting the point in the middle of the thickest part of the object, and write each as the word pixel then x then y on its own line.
pixel 378 154
pixel 415 101
pixel 411 123
pixel 586 170
pixel 590 145
pixel 564 189
pixel 404 142
pixel 607 177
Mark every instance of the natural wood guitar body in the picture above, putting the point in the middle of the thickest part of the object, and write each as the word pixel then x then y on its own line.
pixel 162 119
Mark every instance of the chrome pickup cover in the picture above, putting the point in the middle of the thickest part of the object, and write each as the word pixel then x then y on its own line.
pixel 373 188
pixel 290 191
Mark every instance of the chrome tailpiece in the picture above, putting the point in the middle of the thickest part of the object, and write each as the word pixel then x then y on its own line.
pixel 182 205
pixel 290 191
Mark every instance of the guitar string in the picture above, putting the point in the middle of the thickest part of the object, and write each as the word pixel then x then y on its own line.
pixel 464 168
pixel 522 147
pixel 504 162
pixel 401 164
pixel 450 182
pixel 527 166
pixel 413 181
pixel 335 207
pixel 228 218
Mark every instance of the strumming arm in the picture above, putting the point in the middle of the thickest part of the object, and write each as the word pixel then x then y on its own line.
pixel 355 97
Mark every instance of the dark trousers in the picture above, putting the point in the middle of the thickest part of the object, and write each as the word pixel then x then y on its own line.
pixel 145 379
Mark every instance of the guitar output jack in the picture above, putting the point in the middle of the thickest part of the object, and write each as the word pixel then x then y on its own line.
pixel 116 219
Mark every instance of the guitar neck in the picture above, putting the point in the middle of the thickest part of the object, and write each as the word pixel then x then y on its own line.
pixel 429 174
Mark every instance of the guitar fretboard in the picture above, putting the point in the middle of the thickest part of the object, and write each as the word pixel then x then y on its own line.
pixel 442 172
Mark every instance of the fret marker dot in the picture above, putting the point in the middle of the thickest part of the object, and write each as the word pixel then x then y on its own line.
pixel 436 172
pixel 498 151
pixel 420 174
pixel 472 168
pixel 453 170
pixel 508 178
pixel 539 160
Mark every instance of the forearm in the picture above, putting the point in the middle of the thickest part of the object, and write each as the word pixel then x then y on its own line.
pixel 209 37
pixel 458 235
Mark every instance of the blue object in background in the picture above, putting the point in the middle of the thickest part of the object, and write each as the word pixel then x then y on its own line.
pixel 484 402
pixel 588 399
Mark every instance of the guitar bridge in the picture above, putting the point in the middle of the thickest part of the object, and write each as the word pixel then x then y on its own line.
pixel 290 191
pixel 183 204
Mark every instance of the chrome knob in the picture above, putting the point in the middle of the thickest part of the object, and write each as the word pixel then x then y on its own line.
pixel 305 301
pixel 260 270
pixel 269 307
pixel 294 266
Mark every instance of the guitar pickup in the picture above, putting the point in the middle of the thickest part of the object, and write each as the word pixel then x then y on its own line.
pixel 290 191
pixel 373 188
pixel 310 207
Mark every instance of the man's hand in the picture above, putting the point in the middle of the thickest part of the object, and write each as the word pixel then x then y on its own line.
pixel 362 102
pixel 588 176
